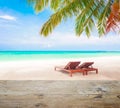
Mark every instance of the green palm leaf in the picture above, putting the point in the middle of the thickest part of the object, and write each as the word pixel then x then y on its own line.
pixel 85 21
pixel 103 19
pixel 39 5
pixel 54 4
pixel 88 13
pixel 56 18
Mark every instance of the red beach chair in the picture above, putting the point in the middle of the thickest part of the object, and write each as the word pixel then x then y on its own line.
pixel 73 67
pixel 88 67
pixel 70 67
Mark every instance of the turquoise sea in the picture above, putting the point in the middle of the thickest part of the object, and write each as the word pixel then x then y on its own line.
pixel 37 55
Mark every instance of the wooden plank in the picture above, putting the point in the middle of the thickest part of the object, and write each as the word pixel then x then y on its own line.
pixel 60 94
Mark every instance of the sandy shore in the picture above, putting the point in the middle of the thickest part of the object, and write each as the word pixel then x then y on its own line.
pixel 109 69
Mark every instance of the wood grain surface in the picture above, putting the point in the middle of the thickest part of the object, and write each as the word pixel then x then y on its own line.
pixel 59 94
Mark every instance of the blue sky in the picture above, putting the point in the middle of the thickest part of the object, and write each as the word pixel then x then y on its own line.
pixel 20 26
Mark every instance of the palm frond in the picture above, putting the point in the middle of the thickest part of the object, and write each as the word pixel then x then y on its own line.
pixel 39 5
pixel 103 18
pixel 114 18
pixel 85 21
pixel 54 4
pixel 82 18
pixel 57 17
pixel 88 13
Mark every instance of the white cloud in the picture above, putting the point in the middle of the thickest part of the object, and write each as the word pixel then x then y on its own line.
pixel 7 17
pixel 69 39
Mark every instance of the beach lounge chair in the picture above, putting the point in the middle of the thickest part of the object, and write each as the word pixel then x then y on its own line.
pixel 88 67
pixel 70 67
pixel 73 67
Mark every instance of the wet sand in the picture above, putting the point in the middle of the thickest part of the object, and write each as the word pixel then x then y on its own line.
pixel 60 94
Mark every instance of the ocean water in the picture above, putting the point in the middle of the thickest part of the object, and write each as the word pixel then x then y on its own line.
pixel 37 55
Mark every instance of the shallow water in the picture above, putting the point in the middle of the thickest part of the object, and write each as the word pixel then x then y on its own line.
pixel 28 55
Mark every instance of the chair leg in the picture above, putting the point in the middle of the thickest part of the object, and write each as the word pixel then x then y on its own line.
pixel 96 71
pixel 84 72
pixel 71 74
pixel 55 68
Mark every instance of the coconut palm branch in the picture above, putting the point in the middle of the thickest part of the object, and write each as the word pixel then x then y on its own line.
pixel 62 14
pixel 86 20
pixel 40 5
pixel 113 21
pixel 89 14
pixel 103 18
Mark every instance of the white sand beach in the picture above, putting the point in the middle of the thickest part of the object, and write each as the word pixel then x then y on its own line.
pixel 108 69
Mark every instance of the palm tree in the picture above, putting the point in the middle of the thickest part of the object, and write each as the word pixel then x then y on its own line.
pixel 88 14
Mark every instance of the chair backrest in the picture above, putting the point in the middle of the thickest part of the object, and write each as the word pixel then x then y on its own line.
pixel 72 65
pixel 86 65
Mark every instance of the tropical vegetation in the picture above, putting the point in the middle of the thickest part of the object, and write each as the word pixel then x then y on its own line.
pixel 103 15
